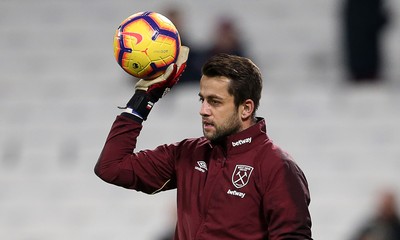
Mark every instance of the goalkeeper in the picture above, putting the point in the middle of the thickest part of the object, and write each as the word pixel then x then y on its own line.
pixel 233 182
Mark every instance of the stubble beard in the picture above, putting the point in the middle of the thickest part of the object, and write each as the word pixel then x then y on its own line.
pixel 231 126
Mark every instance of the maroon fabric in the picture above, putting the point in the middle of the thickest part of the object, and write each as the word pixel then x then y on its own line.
pixel 244 188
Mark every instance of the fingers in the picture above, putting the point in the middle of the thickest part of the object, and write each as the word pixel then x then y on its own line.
pixel 170 71
pixel 183 56
pixel 171 74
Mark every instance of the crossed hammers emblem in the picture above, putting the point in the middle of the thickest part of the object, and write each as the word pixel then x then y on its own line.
pixel 241 175
pixel 241 178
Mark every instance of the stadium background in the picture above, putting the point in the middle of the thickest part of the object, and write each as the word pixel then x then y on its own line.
pixel 59 88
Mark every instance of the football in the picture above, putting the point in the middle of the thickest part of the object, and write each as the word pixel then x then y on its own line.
pixel 145 44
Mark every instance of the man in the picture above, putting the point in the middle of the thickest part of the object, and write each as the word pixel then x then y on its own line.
pixel 233 183
pixel 364 22
pixel 385 225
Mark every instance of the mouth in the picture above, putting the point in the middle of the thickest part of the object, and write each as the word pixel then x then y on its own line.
pixel 207 124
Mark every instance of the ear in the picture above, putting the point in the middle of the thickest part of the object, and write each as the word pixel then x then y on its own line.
pixel 247 109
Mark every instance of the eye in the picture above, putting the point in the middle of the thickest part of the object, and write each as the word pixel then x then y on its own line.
pixel 201 99
pixel 214 102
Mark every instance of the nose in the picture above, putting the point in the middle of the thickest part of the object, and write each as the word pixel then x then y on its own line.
pixel 204 109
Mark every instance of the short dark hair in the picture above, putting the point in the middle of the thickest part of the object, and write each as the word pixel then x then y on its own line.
pixel 245 76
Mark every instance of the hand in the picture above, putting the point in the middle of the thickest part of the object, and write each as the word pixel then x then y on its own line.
pixel 158 87
pixel 147 92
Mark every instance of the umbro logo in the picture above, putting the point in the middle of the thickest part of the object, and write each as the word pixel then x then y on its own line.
pixel 201 166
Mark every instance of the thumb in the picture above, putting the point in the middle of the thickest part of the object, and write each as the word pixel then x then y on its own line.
pixel 170 71
pixel 183 56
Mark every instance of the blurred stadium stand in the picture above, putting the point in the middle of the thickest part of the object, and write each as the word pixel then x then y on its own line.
pixel 60 86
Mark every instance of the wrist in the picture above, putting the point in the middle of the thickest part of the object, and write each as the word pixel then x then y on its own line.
pixel 140 105
pixel 133 117
pixel 132 112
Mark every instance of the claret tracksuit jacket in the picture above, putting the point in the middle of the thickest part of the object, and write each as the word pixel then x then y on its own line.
pixel 242 188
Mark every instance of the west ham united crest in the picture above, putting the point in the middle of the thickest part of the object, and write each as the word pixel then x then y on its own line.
pixel 241 175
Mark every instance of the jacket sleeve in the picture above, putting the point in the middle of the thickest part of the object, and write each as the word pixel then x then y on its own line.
pixel 286 202
pixel 148 171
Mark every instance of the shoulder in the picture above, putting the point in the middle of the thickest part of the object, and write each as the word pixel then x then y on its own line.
pixel 188 146
pixel 276 162
pixel 275 155
pixel 193 143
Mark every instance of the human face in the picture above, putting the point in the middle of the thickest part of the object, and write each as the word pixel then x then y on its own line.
pixel 220 116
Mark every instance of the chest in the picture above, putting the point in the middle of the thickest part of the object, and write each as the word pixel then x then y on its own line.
pixel 218 183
